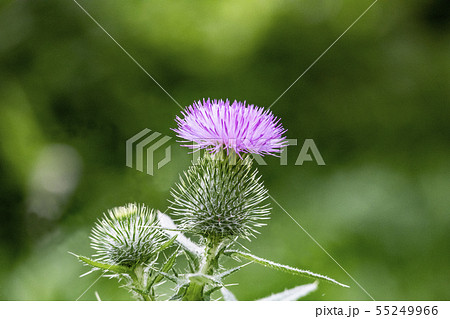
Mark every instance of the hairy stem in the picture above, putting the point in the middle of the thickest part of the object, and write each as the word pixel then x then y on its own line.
pixel 139 281
pixel 207 266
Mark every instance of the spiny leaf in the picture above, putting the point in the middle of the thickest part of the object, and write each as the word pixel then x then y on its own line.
pixel 165 268
pixel 180 291
pixel 168 243
pixel 170 277
pixel 207 294
pixel 227 295
pixel 292 294
pixel 277 266
pixel 114 268
pixel 192 261
pixel 232 270
pixel 203 279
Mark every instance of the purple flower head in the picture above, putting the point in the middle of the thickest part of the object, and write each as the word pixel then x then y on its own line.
pixel 217 124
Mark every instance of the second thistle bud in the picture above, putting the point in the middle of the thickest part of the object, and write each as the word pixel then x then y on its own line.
pixel 127 236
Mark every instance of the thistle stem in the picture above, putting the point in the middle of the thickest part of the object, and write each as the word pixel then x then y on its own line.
pixel 207 266
pixel 139 281
pixel 194 292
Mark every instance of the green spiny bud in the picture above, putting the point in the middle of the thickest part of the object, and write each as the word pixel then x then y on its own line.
pixel 127 236
pixel 220 197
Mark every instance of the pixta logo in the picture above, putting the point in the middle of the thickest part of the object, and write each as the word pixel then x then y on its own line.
pixel 308 153
pixel 140 151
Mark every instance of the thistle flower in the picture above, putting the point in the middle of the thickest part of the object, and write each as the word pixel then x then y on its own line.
pixel 217 200
pixel 217 124
pixel 127 236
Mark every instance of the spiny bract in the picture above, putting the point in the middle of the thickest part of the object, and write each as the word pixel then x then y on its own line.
pixel 218 199
pixel 128 235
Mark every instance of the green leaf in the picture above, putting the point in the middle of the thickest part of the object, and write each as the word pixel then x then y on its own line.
pixel 178 296
pixel 168 243
pixel 288 269
pixel 203 279
pixel 165 268
pixel 292 294
pixel 207 294
pixel 114 268
pixel 227 295
pixel 192 261
pixel 232 270
pixel 170 277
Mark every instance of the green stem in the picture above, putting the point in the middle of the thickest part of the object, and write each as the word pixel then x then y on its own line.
pixel 139 282
pixel 194 292
pixel 207 267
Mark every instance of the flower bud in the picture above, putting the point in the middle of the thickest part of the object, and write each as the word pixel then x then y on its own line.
pixel 127 236
pixel 219 199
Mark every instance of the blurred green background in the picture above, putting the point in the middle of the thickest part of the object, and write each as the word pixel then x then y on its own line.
pixel 376 105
